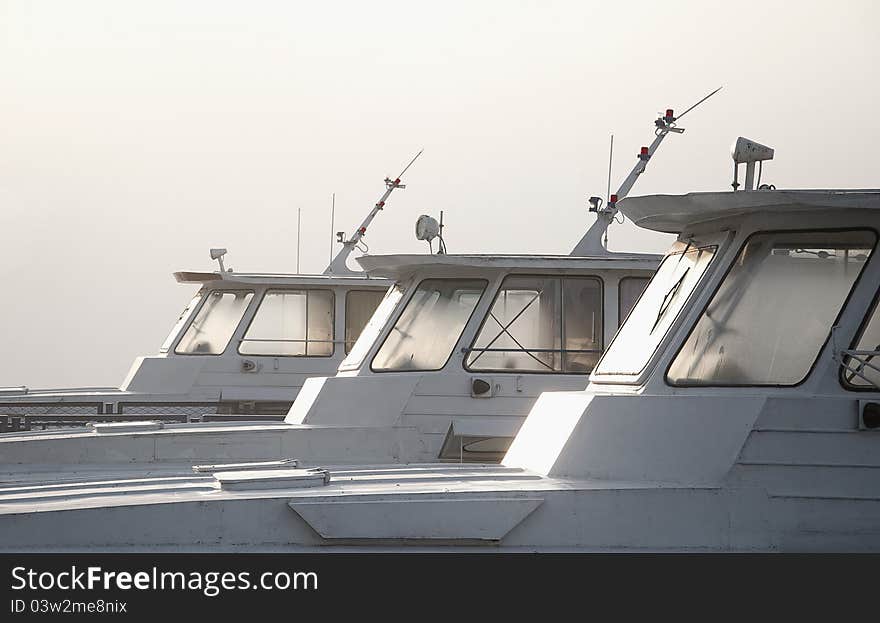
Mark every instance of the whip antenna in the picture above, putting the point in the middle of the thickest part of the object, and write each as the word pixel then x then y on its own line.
pixel 700 102
pixel 610 156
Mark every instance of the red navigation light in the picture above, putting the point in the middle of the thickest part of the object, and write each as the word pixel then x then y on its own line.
pixel 669 113
pixel 644 151
pixel 613 199
pixel 362 230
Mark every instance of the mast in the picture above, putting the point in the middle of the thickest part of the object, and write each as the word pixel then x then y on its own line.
pixel 592 242
pixel 338 265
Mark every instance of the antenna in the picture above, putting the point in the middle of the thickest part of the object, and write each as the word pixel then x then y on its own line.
pixel 337 265
pixel 298 221
pixel 332 218
pixel 591 243
pixel 608 190
pixel 610 156
pixel 698 103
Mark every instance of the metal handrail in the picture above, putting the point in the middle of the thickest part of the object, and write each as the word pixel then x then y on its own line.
pixel 864 358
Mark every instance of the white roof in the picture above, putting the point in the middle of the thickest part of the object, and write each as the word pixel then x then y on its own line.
pixel 279 279
pixel 394 266
pixel 674 213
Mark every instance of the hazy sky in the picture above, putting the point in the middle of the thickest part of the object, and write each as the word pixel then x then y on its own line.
pixel 135 135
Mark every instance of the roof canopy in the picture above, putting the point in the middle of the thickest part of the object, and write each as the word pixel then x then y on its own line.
pixel 674 213
pixel 396 266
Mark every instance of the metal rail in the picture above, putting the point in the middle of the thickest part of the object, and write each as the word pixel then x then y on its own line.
pixel 863 359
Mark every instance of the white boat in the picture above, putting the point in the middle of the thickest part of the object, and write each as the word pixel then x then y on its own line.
pixel 737 408
pixel 241 349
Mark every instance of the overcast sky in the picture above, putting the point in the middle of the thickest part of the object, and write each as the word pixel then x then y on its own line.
pixel 137 134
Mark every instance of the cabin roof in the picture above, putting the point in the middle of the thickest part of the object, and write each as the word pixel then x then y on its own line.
pixel 394 266
pixel 279 279
pixel 674 213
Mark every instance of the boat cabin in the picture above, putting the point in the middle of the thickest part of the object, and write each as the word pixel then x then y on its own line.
pixel 775 297
pixel 479 337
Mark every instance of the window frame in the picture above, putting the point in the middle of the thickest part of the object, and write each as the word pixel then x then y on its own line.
pixel 197 311
pixel 561 277
pixel 169 344
pixel 391 323
pixel 382 293
pixel 723 279
pixel 267 291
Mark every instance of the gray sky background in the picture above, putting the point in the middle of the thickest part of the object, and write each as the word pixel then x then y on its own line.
pixel 136 135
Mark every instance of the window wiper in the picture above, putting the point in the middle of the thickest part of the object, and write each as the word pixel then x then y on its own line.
pixel 668 298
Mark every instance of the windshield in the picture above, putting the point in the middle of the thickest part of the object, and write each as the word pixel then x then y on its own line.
pixel 184 316
pixel 429 327
pixel 373 328
pixel 770 316
pixel 657 308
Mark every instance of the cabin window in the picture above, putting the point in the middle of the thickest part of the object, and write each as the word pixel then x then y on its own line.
pixel 861 371
pixel 774 310
pixel 430 325
pixel 291 323
pixel 181 320
pixel 629 289
pixel 653 314
pixel 541 324
pixel 359 308
pixel 216 321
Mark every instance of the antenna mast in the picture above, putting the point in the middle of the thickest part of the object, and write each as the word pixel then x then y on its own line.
pixel 610 158
pixel 298 222
pixel 338 264
pixel 591 243
pixel 332 219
